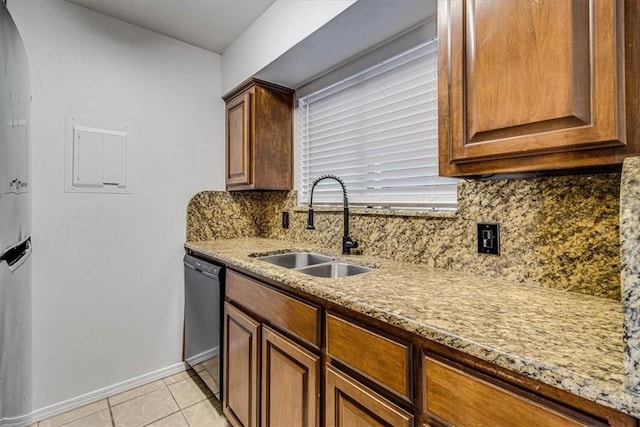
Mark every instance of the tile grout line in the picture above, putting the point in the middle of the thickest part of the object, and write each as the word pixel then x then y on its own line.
pixel 167 416
pixel 195 379
pixel 177 404
pixel 113 421
pixel 79 418
pixel 174 400
pixel 135 396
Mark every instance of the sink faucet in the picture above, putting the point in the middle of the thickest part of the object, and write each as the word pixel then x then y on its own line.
pixel 347 242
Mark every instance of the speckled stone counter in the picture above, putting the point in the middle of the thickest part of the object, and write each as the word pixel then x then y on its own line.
pixel 630 275
pixel 571 341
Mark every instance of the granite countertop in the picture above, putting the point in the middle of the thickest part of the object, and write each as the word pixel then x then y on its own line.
pixel 568 340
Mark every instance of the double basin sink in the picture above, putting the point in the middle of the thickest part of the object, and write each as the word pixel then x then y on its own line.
pixel 314 264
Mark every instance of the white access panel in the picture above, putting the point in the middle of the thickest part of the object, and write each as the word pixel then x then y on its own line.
pixel 97 156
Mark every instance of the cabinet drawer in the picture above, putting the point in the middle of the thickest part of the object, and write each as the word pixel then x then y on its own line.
pixel 276 308
pixel 462 400
pixel 386 361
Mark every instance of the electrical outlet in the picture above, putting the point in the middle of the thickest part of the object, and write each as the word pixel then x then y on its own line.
pixel 285 219
pixel 489 239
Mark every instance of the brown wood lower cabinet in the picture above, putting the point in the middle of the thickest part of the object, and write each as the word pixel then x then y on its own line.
pixel 240 392
pixel 270 378
pixel 283 369
pixel 351 404
pixel 290 386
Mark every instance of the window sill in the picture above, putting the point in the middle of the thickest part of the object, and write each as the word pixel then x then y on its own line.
pixel 425 213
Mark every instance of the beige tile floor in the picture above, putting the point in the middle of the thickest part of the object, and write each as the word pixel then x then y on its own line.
pixel 180 400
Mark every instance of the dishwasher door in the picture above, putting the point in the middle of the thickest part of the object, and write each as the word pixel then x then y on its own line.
pixel 203 320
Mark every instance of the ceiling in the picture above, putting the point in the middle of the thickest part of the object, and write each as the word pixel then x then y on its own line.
pixel 209 24
pixel 215 24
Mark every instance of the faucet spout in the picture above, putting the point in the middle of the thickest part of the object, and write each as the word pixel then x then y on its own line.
pixel 347 242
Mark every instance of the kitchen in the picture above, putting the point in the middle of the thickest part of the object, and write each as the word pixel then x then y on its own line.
pixel 104 321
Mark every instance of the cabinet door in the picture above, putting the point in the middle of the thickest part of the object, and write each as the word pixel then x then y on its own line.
pixel 241 356
pixel 351 404
pixel 519 80
pixel 290 383
pixel 239 140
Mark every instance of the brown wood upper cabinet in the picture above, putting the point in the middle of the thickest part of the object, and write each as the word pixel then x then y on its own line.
pixel 259 122
pixel 532 86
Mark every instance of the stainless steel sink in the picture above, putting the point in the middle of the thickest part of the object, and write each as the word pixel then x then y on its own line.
pixel 334 270
pixel 314 264
pixel 296 259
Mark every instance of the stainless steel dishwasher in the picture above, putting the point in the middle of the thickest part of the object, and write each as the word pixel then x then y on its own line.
pixel 204 291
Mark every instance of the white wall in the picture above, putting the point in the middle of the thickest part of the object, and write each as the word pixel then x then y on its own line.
pixel 107 271
pixel 278 29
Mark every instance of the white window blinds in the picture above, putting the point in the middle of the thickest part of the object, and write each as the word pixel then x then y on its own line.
pixel 378 131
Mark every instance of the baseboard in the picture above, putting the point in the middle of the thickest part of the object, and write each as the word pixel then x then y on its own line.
pixel 94 396
pixel 201 357
pixel 24 420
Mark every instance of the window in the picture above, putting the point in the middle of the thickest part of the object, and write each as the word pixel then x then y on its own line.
pixel 378 131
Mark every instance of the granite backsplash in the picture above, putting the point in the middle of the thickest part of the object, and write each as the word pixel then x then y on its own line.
pixel 559 232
